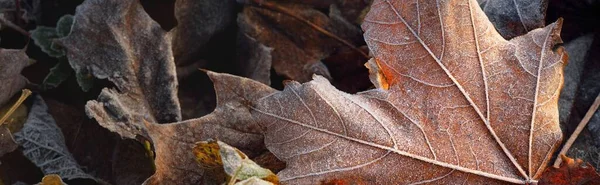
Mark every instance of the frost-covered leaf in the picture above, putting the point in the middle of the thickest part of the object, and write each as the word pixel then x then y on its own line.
pixel 457 104
pixel 227 162
pixel 58 74
pixel 230 122
pixel 238 165
pixel 43 37
pixel 253 181
pixel 515 18
pixel 44 145
pixel 118 41
pixel 11 63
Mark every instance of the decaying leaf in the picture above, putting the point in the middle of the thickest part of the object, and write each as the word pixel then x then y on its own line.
pixel 51 179
pixel 44 145
pixel 463 104
pixel 295 57
pixel 571 172
pixel 230 122
pixel 253 181
pixel 515 18
pixel 118 41
pixel 11 63
pixel 227 161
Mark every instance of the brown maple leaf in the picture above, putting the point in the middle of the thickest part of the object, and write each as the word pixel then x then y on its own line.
pixel 571 172
pixel 230 122
pixel 459 104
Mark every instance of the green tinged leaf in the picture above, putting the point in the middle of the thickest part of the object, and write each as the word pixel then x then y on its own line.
pixel 63 26
pixel 43 37
pixel 85 81
pixel 221 159
pixel 240 167
pixel 58 74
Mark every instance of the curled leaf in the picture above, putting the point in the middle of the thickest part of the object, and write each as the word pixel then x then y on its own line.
pixel 118 41
pixel 230 122
pixel 218 157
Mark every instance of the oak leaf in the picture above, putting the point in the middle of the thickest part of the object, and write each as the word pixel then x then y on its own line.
pixel 457 103
pixel 230 122
pixel 117 40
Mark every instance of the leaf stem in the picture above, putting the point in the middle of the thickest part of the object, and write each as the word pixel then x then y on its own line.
pixel 3 21
pixel 573 137
pixel 288 12
pixel 24 94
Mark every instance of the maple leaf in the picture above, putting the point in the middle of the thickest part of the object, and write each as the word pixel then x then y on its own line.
pixel 571 171
pixel 118 41
pixel 457 103
pixel 230 122
pixel 515 18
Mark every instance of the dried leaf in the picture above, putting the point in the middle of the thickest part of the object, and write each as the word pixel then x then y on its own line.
pixel 571 171
pixel 230 122
pixel 44 145
pixel 11 63
pixel 296 57
pixel 238 165
pixel 464 105
pixel 51 179
pixel 232 163
pixel 118 41
pixel 253 181
pixel 515 18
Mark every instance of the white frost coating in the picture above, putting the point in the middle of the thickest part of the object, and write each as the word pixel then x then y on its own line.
pixel 44 145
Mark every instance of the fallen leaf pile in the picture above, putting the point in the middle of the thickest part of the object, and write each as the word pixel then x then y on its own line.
pixel 305 92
